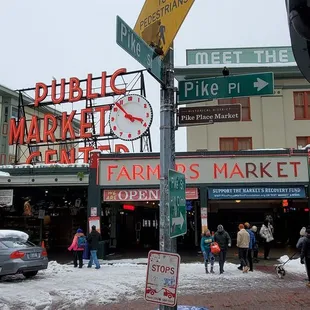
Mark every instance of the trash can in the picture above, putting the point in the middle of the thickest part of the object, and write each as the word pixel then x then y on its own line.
pixel 101 250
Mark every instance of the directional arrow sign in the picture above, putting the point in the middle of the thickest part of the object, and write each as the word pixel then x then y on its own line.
pixel 244 85
pixel 177 204
pixel 127 39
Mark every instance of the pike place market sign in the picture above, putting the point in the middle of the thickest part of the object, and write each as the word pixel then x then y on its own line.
pixel 131 171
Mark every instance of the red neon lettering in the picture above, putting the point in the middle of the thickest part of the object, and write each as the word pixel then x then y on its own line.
pixel 49 133
pixel 61 97
pixel 74 87
pixel 31 156
pixel 217 169
pixel 104 148
pixel 137 172
pixel 295 165
pixel 121 147
pixel 103 84
pixel 263 170
pixel 152 172
pixel 49 155
pixel 34 131
pixel 117 91
pixel 102 122
pixel 86 151
pixel 66 158
pixel 84 124
pixel 123 174
pixel 89 88
pixel 250 168
pixel 37 96
pixel 180 167
pixel 67 125
pixel 195 169
pixel 110 171
pixel 236 171
pixel 280 170
pixel 17 132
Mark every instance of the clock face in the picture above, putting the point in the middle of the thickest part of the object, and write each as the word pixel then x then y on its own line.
pixel 131 117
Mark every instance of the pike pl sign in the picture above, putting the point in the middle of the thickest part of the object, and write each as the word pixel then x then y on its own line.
pixel 243 85
pixel 128 40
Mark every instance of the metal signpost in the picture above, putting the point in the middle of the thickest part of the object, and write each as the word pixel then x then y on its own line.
pixel 128 40
pixel 162 278
pixel 177 203
pixel 243 85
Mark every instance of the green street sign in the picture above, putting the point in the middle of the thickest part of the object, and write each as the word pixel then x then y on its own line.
pixel 177 204
pixel 244 85
pixel 128 40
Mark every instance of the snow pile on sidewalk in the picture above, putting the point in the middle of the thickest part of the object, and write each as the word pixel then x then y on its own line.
pixel 64 287
pixel 293 266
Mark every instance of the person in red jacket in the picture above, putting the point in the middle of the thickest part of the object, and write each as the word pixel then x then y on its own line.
pixel 78 245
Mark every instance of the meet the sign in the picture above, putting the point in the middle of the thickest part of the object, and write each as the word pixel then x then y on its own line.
pixel 206 170
pixel 257 192
pixel 225 56
pixel 209 114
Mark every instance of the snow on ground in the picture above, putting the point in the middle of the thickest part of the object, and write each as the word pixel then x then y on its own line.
pixel 293 266
pixel 66 287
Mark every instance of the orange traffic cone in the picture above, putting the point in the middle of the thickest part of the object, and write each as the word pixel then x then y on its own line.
pixel 43 244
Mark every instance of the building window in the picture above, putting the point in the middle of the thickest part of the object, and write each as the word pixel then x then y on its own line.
pixel 302 105
pixel 245 106
pixel 235 144
pixel 302 142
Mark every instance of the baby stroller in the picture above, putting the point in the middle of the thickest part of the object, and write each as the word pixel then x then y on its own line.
pixel 280 268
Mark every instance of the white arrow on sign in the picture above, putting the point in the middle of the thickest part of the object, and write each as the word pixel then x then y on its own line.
pixel 178 220
pixel 260 84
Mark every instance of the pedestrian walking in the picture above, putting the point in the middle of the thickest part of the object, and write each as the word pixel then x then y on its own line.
pixel 243 242
pixel 305 254
pixel 78 245
pixel 247 227
pixel 266 232
pixel 93 240
pixel 256 245
pixel 302 238
pixel 224 241
pixel 205 245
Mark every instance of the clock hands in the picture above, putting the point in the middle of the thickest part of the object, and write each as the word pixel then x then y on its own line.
pixel 127 115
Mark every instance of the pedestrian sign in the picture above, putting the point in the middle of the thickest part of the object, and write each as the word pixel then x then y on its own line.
pixel 160 20
pixel 177 203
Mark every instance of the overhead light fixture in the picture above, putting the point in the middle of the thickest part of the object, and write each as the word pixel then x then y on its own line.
pixel 237 201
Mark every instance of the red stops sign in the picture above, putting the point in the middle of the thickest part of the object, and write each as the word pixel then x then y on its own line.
pixel 162 278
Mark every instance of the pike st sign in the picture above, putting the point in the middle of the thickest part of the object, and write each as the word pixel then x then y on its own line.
pixel 128 40
pixel 243 85
pixel 177 203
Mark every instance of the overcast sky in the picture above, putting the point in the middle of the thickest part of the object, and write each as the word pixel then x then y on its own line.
pixel 64 38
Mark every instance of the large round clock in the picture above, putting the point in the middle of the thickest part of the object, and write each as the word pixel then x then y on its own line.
pixel 131 117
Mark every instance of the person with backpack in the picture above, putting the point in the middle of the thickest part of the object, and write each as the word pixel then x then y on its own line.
pixel 93 240
pixel 247 227
pixel 78 245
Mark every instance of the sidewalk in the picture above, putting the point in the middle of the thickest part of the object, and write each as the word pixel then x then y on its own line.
pixel 290 293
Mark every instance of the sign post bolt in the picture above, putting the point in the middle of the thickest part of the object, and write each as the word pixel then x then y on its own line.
pixel 167 156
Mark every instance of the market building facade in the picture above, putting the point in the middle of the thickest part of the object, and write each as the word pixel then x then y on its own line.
pixel 222 188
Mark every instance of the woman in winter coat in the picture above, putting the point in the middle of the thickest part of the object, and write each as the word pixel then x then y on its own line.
pixel 302 238
pixel 205 245
pixel 305 254
pixel 266 232
pixel 256 246
pixel 78 245
pixel 251 245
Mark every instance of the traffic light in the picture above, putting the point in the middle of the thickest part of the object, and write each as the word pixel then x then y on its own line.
pixel 299 26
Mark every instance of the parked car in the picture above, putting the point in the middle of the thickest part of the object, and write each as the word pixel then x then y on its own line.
pixel 19 256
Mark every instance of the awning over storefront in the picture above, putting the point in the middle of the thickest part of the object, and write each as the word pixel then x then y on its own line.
pixel 259 192
pixel 114 195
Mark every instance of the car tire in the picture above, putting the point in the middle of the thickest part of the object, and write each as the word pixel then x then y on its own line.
pixel 30 274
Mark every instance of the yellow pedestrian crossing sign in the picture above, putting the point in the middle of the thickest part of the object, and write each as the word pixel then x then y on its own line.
pixel 160 21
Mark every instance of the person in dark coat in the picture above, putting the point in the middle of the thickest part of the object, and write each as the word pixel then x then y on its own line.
pixel 93 240
pixel 251 245
pixel 305 254
pixel 224 241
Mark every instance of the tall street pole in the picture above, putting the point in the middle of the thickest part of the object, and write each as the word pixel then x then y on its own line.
pixel 167 155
